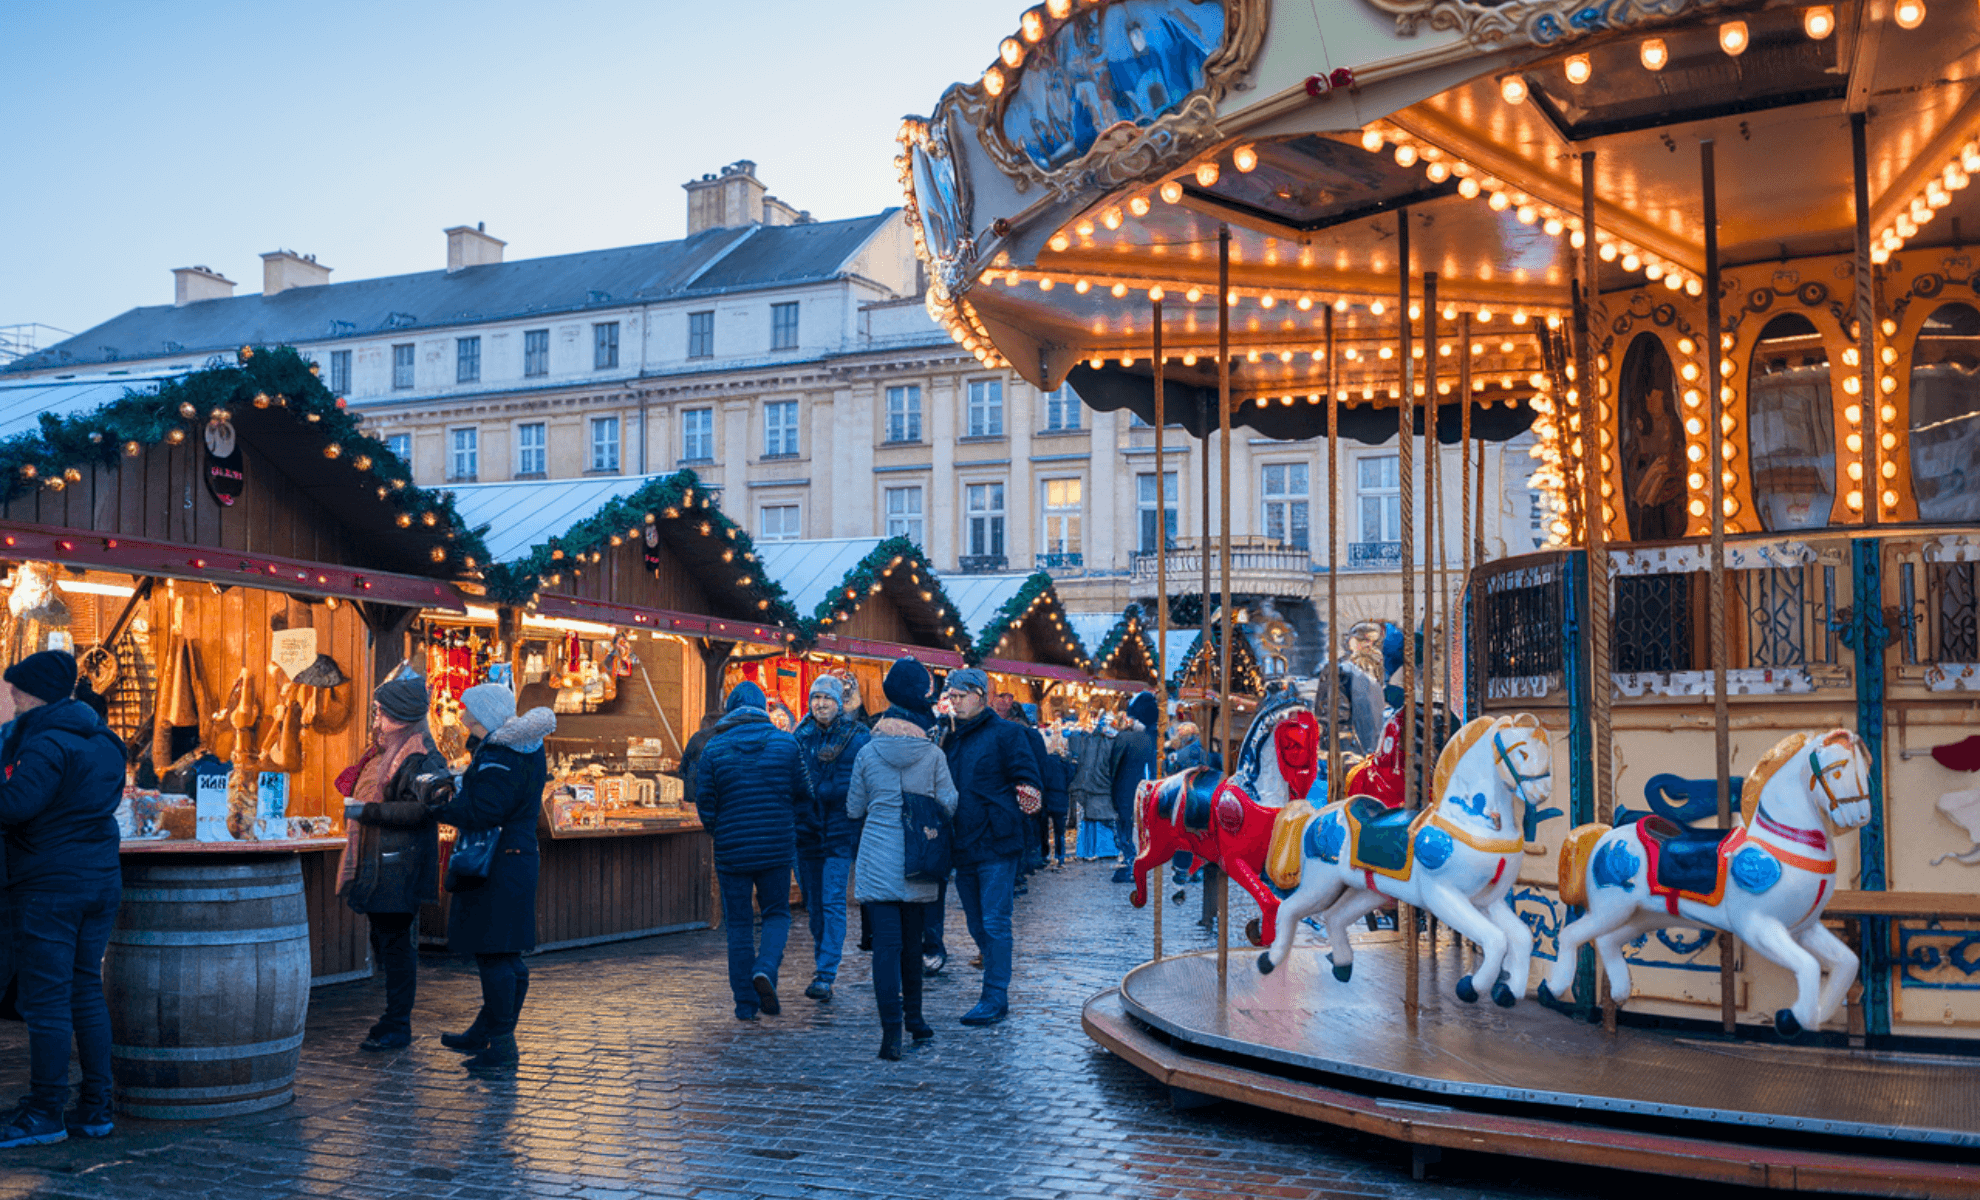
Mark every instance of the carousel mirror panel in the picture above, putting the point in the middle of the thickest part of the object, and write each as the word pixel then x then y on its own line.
pixel 1792 426
pixel 1945 415
pixel 1652 442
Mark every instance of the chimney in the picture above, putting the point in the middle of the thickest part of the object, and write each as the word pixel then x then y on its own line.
pixel 472 247
pixel 730 200
pixel 190 285
pixel 285 269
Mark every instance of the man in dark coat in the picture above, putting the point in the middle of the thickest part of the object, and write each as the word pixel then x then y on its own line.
pixel 991 762
pixel 1033 855
pixel 495 919
pixel 831 739
pixel 691 753
pixel 63 780
pixel 1134 761
pixel 749 787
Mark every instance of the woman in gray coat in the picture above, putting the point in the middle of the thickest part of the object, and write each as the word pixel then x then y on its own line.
pixel 899 759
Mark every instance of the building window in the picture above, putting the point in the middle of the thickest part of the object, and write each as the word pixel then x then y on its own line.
pixel 463 455
pixel 1061 509
pixel 984 514
pixel 784 326
pixel 532 449
pixel 698 435
pixel 778 523
pixel 1378 498
pixel 1150 512
pixel 402 367
pixel 604 443
pixel 536 353
pixel 604 345
pixel 904 513
pixel 986 408
pixel 1285 504
pixel 467 360
pixel 400 444
pixel 904 413
pixel 1062 408
pixel 701 335
pixel 340 372
pixel 780 429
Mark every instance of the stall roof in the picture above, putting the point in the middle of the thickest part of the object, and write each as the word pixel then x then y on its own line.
pixel 981 597
pixel 22 403
pixel 810 568
pixel 1092 628
pixel 528 513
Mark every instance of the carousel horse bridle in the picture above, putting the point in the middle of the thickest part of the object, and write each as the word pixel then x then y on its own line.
pixel 1519 780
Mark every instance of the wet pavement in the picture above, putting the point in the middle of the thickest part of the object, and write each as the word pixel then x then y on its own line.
pixel 636 1081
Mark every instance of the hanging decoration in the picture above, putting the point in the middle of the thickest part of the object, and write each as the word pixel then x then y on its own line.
pixel 225 474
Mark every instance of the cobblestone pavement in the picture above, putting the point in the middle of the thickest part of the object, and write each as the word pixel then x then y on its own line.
pixel 636 1081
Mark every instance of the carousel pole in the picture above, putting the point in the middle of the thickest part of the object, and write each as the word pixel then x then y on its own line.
pixel 1433 536
pixel 1866 342
pixel 1207 727
pixel 1464 469
pixel 1721 718
pixel 1161 598
pixel 1333 565
pixel 1406 470
pixel 1224 565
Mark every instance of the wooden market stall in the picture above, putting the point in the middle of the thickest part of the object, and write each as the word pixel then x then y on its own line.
pixel 615 603
pixel 1125 658
pixel 870 601
pixel 1023 638
pixel 1195 681
pixel 231 559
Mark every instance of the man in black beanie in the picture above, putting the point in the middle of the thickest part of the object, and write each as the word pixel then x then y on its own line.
pixel 63 780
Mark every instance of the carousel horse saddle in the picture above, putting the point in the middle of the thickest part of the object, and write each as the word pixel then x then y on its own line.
pixel 1192 794
pixel 1683 861
pixel 1381 835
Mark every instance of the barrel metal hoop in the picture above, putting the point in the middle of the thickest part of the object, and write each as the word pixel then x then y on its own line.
pixel 210 874
pixel 205 1053
pixel 225 1092
pixel 205 937
pixel 188 895
pixel 208 1112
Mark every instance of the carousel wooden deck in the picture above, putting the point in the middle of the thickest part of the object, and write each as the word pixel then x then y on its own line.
pixel 1531 1082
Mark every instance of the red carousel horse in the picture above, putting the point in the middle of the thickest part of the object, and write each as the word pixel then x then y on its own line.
pixel 1380 774
pixel 1228 820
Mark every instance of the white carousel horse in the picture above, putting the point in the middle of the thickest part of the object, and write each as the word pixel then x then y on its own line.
pixel 1654 873
pixel 1457 859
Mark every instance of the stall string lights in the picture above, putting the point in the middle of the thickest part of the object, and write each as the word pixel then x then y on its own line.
pixel 1034 593
pixel 896 554
pixel 57 453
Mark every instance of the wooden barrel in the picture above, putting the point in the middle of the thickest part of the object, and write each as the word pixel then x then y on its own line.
pixel 207 976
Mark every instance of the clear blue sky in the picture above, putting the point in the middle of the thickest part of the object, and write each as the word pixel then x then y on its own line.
pixel 149 135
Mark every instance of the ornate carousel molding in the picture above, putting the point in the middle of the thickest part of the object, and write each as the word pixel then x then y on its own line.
pixel 1499 23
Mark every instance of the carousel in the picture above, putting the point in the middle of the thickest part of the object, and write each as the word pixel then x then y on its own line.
pixel 1679 815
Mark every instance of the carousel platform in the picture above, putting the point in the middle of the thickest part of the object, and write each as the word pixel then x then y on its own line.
pixel 1532 1082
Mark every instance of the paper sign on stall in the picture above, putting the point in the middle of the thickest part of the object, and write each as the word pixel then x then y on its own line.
pixel 292 650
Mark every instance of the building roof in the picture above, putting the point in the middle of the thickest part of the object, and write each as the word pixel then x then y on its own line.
pixel 713 261
pixel 809 569
pixel 23 402
pixel 526 514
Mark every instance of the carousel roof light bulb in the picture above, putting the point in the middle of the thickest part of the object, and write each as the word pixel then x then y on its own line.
pixel 1193 295
pixel 1512 89
pixel 1267 300
pixel 1819 21
pixel 1631 262
pixel 1189 360
pixel 1059 242
pixel 1285 356
pixel 1111 218
pixel 993 81
pixel 1138 205
pixel 1406 155
pixel 1206 174
pixel 1888 469
pixel 1905 226
pixel 1909 14
pixel 1156 293
pixel 1082 287
pixel 1499 202
pixel 1305 303
pixel 1032 24
pixel 1437 172
pixel 1371 140
pixel 1377 307
pixel 1887 412
pixel 1653 271
pixel 1606 251
pixel 1046 284
pixel 1245 158
pixel 1674 281
pixel 1340 306
pixel 1011 51
pixel 1096 362
pixel 1527 214
pixel 1578 69
pixel 1484 316
pixel 1519 316
pixel 1694 287
pixel 1172 190
pixel 1734 38
pixel 1654 54
pixel 1119 290
pixel 1468 188
pixel 1554 226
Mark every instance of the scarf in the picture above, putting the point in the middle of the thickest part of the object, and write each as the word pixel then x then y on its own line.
pixel 376 769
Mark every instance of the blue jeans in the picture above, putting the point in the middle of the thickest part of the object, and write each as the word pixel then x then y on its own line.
pixel 823 882
pixel 987 890
pixel 742 894
pixel 59 941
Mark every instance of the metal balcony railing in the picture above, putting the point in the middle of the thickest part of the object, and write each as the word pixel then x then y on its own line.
pixel 980 564
pixel 1249 555
pixel 1063 560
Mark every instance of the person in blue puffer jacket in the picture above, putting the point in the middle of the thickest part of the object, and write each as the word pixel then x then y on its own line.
pixel 749 785
pixel 826 836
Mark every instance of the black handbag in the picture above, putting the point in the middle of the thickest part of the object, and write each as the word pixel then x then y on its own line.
pixel 472 859
pixel 927 841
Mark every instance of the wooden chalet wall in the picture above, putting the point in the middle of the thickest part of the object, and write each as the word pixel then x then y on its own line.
pixel 878 619
pixel 621 576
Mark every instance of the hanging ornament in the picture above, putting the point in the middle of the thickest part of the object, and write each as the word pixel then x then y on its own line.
pixel 226 475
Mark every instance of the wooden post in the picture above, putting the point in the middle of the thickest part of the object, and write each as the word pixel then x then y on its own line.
pixel 1224 564
pixel 1721 718
pixel 1406 470
pixel 1160 888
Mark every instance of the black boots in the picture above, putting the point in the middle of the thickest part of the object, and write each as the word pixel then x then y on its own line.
pixel 498 1055
pixel 890 1043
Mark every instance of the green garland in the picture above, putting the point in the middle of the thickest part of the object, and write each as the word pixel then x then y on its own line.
pixel 841 602
pixel 54 455
pixel 677 497
pixel 1244 662
pixel 1131 618
pixel 1013 611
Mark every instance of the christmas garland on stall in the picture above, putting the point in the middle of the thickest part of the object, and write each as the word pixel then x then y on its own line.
pixel 677 497
pixel 1245 677
pixel 868 574
pixel 1019 606
pixel 1133 621
pixel 56 454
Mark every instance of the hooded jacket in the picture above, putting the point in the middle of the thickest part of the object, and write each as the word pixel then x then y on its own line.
pixel 823 828
pixel 749 786
pixel 989 759
pixel 1135 754
pixel 64 778
pixel 898 759
pixel 501 789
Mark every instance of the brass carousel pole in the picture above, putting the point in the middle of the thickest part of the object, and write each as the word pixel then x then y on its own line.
pixel 1161 602
pixel 1224 564
pixel 1721 718
pixel 1869 396
pixel 1207 727
pixel 1406 470
pixel 1433 535
pixel 1333 566
pixel 1464 501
